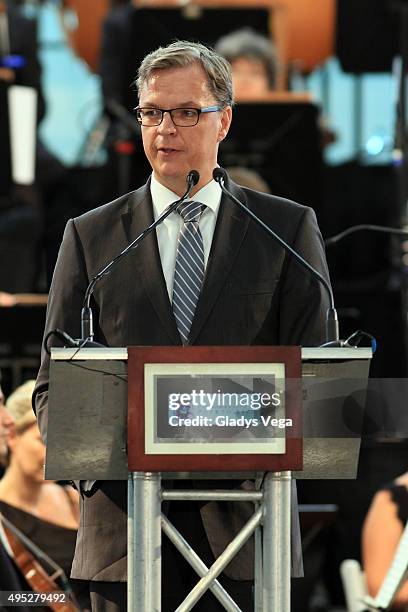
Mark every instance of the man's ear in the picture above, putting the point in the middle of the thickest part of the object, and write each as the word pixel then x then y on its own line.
pixel 226 118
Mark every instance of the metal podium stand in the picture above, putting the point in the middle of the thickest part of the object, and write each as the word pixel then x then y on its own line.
pixel 336 457
pixel 272 575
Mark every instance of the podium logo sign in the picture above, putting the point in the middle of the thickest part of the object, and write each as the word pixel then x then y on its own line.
pixel 208 408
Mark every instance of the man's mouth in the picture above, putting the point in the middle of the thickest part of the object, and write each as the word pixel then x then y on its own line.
pixel 167 150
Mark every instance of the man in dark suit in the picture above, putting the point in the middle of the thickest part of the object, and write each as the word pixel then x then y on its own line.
pixel 252 293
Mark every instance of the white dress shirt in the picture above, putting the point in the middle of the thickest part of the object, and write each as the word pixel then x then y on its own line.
pixel 168 231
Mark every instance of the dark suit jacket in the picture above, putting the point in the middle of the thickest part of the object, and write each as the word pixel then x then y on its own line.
pixel 254 293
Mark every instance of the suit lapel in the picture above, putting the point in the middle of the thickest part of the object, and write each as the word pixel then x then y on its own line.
pixel 230 230
pixel 137 218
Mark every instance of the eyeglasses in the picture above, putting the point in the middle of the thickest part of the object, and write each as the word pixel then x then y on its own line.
pixel 181 117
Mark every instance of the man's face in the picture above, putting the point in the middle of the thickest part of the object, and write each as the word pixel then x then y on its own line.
pixel 6 425
pixel 174 151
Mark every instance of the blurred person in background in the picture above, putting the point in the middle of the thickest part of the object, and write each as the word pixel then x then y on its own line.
pixel 10 577
pixel 382 531
pixel 255 67
pixel 20 205
pixel 18 40
pixel 254 62
pixel 246 178
pixel 44 511
pixel 6 425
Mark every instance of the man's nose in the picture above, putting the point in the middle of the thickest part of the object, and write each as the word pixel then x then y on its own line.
pixel 167 124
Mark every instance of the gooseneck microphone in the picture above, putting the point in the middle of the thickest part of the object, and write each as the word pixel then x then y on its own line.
pixel 332 323
pixel 87 332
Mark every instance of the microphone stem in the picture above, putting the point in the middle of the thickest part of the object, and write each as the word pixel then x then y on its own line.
pixel 286 246
pixel 133 245
pixel 86 315
pixel 332 324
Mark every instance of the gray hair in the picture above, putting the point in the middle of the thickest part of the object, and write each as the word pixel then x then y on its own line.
pixel 183 53
pixel 245 42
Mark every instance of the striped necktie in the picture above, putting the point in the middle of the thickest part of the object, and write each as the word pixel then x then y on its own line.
pixel 189 268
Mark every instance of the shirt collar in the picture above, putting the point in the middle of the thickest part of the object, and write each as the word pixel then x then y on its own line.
pixel 210 195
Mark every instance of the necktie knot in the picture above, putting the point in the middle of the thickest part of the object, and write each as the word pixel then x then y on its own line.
pixel 191 211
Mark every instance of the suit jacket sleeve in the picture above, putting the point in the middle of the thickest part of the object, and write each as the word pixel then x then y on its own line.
pixel 64 309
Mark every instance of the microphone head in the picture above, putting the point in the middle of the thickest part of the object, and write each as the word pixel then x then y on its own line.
pixel 219 174
pixel 193 177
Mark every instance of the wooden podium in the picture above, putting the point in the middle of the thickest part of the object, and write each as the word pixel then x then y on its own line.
pixel 150 433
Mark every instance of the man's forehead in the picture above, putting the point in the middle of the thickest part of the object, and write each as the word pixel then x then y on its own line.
pixel 194 68
pixel 172 79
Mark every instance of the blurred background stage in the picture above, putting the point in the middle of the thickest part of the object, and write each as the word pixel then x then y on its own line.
pixel 330 132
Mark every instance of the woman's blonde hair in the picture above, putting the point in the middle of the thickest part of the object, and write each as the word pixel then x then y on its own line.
pixel 19 406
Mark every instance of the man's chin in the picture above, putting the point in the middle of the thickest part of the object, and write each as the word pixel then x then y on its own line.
pixel 173 171
pixel 174 180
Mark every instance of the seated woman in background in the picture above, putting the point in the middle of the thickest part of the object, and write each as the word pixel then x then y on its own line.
pixel 253 60
pixel 44 511
pixel 382 530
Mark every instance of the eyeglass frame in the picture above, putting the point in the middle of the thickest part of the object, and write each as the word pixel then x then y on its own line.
pixel 206 109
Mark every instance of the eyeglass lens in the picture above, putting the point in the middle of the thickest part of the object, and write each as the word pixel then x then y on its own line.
pixel 180 116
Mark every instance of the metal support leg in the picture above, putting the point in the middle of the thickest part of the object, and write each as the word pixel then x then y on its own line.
pixel 144 542
pixel 276 542
pixel 272 571
pixel 258 571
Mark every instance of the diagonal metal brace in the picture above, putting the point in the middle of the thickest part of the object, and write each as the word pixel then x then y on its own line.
pixel 222 561
pixel 197 564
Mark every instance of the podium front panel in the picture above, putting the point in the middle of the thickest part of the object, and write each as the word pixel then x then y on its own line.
pixel 87 420
pixel 214 408
pixel 334 398
pixel 87 427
